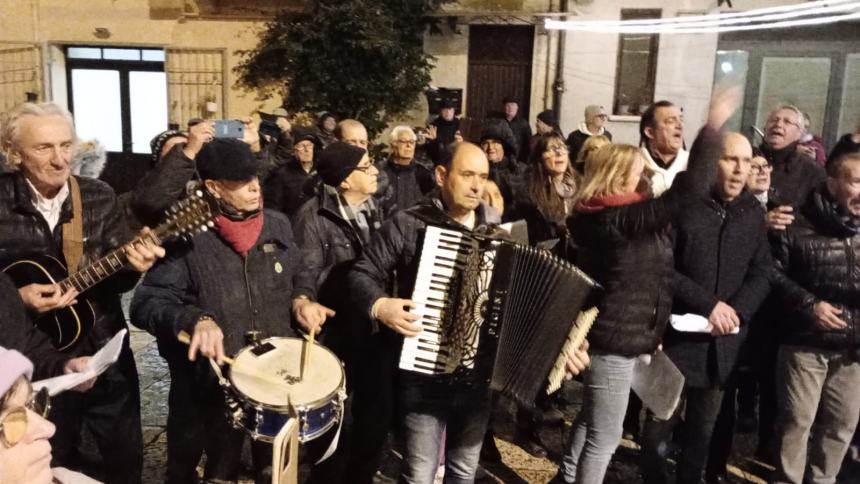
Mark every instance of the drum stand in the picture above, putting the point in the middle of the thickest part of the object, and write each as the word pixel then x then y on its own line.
pixel 285 454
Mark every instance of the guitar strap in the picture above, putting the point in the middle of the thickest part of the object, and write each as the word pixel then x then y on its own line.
pixel 73 230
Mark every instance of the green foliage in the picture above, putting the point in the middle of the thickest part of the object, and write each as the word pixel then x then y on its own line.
pixel 362 59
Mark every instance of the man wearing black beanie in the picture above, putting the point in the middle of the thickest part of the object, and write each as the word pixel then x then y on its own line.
pixel 333 228
pixel 219 288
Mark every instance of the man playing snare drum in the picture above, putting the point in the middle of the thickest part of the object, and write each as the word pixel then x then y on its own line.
pixel 219 287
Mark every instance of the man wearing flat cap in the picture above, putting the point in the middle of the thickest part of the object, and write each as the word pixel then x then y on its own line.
pixel 332 229
pixel 218 288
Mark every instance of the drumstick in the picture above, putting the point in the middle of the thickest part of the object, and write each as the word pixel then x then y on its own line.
pixel 306 358
pixel 184 337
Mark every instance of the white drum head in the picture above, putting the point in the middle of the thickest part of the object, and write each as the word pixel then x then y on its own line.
pixel 323 377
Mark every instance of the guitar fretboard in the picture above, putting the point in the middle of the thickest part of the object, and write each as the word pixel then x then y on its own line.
pixel 96 272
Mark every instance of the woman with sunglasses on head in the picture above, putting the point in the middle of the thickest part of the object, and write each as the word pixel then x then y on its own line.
pixel 25 452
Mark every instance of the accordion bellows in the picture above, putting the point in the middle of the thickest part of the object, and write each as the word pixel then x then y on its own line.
pixel 495 309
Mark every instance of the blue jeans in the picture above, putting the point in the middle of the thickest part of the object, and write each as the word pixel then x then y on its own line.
pixel 433 406
pixel 598 426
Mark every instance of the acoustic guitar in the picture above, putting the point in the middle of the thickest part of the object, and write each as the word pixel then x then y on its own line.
pixel 67 325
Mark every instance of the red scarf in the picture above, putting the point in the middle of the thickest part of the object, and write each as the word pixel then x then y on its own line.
pixel 240 234
pixel 597 204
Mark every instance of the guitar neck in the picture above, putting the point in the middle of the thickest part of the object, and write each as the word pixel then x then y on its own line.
pixel 105 267
pixel 96 272
pixel 185 218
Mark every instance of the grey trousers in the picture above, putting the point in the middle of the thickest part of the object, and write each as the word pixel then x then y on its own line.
pixel 818 392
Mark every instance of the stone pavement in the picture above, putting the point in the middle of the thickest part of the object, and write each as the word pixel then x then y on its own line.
pixel 517 466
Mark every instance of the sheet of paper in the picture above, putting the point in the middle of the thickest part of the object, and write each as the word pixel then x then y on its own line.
pixel 97 365
pixel 658 382
pixel 692 323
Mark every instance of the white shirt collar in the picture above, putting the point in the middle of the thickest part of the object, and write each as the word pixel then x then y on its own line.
pixel 49 207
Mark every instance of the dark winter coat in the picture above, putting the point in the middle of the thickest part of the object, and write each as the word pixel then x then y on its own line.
pixel 407 185
pixel 510 176
pixel 164 184
pixel 628 250
pixel 818 258
pixel 445 130
pixel 522 136
pixel 168 181
pixel 845 146
pixel 18 333
pixel 575 141
pixel 794 175
pixel 721 254
pixel 290 186
pixel 330 243
pixel 205 276
pixel 24 232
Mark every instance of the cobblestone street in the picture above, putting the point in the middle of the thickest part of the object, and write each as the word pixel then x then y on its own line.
pixel 517 465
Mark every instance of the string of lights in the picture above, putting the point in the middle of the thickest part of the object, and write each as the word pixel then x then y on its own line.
pixel 813 13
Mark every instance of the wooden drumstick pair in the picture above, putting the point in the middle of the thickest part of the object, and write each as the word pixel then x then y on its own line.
pixel 185 338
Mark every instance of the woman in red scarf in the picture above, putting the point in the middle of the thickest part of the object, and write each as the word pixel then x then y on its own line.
pixel 623 241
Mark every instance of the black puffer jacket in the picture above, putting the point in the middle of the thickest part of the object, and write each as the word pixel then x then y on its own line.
pixel 721 254
pixel 794 175
pixel 819 260
pixel 628 250
pixel 24 232
pixel 205 276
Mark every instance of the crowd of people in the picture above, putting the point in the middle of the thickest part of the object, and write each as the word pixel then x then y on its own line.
pixel 313 236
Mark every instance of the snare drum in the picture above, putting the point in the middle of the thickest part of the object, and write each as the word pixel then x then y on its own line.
pixel 262 408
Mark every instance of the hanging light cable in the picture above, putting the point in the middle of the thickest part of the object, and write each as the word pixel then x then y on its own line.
pixel 752 20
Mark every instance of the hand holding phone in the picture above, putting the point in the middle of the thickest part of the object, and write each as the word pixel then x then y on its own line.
pixel 228 128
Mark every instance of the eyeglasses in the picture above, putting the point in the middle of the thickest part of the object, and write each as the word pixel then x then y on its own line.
pixel 774 120
pixel 406 142
pixel 13 428
pixel 558 150
pixel 365 169
pixel 755 168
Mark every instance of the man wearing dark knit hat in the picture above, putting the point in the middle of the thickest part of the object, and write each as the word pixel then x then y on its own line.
pixel 333 228
pixel 219 288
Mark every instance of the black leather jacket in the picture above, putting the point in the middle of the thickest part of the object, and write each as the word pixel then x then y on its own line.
pixel 24 233
pixel 819 260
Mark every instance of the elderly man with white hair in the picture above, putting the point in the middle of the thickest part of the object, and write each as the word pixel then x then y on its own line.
pixel 409 182
pixel 794 175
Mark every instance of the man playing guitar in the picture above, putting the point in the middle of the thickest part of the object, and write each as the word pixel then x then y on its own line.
pixel 36 208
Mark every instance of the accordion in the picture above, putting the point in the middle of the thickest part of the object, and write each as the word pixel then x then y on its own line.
pixel 500 310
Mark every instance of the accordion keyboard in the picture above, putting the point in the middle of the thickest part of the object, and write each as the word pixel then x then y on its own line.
pixel 444 256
